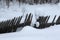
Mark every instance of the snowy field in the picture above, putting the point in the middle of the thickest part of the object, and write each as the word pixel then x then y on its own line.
pixel 28 32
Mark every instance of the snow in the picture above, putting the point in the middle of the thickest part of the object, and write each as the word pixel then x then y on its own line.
pixel 28 32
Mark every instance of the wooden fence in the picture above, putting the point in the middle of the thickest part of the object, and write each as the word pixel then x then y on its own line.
pixel 12 25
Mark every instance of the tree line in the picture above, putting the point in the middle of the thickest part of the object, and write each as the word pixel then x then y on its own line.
pixel 32 1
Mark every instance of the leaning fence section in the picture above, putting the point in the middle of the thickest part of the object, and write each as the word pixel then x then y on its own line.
pixel 12 25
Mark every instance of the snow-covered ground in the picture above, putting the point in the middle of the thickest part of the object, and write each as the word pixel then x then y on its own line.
pixel 28 32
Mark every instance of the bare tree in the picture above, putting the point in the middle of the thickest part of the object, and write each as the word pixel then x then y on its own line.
pixel 7 3
pixel 0 0
pixel 23 1
pixel 57 2
pixel 36 1
pixel 19 2
pixel 11 0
